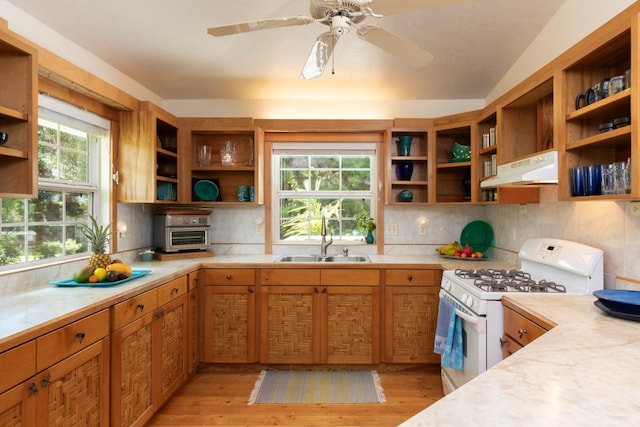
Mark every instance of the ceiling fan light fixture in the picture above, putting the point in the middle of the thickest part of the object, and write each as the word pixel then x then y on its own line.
pixel 339 25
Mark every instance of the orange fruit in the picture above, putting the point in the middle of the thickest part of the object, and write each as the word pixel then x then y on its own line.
pixel 93 279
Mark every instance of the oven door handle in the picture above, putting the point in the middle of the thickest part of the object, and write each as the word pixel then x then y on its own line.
pixel 464 316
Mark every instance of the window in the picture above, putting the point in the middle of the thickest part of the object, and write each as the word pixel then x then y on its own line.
pixel 322 179
pixel 70 145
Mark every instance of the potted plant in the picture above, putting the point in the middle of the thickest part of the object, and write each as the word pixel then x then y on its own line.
pixel 366 223
pixel 147 255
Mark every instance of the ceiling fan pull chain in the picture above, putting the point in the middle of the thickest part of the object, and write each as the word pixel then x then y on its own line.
pixel 333 57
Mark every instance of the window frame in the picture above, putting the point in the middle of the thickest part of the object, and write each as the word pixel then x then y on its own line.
pixel 353 142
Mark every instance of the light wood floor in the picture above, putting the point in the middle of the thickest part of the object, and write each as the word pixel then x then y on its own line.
pixel 217 395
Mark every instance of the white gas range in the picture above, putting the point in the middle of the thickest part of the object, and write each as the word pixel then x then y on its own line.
pixel 547 267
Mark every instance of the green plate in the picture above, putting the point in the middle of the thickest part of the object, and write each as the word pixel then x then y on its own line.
pixel 206 190
pixel 478 234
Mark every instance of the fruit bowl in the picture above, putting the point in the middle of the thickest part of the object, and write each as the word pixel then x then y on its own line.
pixel 71 283
pixel 484 258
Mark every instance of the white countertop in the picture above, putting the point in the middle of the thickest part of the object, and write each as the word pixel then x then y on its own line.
pixel 22 314
pixel 584 372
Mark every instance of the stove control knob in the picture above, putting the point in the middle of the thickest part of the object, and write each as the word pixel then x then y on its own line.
pixel 464 298
pixel 469 301
pixel 446 285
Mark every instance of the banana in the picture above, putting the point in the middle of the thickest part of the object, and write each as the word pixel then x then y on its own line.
pixel 120 267
pixel 448 249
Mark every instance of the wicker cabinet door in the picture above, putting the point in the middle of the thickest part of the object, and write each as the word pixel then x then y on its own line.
pixel 411 314
pixel 289 324
pixel 75 392
pixel 18 405
pixel 229 324
pixel 172 346
pixel 132 374
pixel 193 326
pixel 351 326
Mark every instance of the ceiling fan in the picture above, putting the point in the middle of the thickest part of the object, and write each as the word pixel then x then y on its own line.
pixel 341 16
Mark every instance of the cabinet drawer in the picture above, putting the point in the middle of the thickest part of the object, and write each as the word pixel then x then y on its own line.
pixel 133 308
pixel 172 290
pixel 350 277
pixel 293 276
pixel 17 365
pixel 230 276
pixel 412 277
pixel 63 342
pixel 521 329
pixel 509 346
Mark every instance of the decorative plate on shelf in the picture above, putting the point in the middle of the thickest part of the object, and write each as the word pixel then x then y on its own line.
pixel 458 159
pixel 206 190
pixel 478 234
pixel 72 283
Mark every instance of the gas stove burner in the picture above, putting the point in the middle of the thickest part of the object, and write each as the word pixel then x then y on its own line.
pixel 490 285
pixel 518 275
pixel 466 273
pixel 519 285
pixel 551 286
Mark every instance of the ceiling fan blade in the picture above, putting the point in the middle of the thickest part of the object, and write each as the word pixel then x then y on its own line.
pixel 391 7
pixel 319 56
pixel 265 24
pixel 412 54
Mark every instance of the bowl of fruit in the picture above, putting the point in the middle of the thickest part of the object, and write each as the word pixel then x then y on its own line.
pixel 456 250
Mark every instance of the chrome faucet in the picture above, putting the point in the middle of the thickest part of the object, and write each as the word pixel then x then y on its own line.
pixel 323 232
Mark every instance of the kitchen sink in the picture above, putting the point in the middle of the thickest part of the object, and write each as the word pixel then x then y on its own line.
pixel 350 258
pixel 316 258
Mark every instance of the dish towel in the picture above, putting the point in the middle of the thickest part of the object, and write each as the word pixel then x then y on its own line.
pixel 448 341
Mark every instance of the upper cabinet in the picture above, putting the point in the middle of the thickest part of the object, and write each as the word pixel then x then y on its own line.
pixel 18 117
pixel 408 167
pixel 148 156
pixel 223 161
pixel 598 116
pixel 453 169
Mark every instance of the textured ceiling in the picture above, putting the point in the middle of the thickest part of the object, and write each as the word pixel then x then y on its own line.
pixel 163 44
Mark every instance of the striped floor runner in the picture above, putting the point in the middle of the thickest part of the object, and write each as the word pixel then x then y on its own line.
pixel 317 387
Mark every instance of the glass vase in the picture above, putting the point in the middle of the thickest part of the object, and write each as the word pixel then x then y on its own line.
pixel 404 170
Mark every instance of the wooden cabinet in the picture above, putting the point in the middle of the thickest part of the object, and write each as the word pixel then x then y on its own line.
pixel 148 156
pixel 520 327
pixel 71 386
pixel 586 144
pixel 411 313
pixel 319 316
pixel 149 351
pixel 227 172
pixel 453 177
pixel 229 315
pixel 18 117
pixel 193 326
pixel 417 161
pixel 18 388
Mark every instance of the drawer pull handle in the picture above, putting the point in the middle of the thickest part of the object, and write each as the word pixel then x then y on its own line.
pixel 45 381
pixel 324 290
pixel 316 291
pixel 228 276
pixel 521 332
pixel 175 290
pixel 80 336
pixel 159 314
pixel 410 278
pixel 140 307
pixel 502 342
pixel 250 290
pixel 33 389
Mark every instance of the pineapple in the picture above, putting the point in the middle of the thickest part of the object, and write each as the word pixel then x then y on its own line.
pixel 98 236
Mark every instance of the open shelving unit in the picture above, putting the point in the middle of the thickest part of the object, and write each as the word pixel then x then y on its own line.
pixel 418 185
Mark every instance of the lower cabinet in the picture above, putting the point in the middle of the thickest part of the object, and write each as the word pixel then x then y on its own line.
pixel 520 327
pixel 193 304
pixel 229 315
pixel 71 386
pixel 319 316
pixel 149 351
pixel 411 313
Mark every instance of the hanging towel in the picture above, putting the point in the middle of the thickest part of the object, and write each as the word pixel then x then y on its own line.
pixel 452 356
pixel 446 312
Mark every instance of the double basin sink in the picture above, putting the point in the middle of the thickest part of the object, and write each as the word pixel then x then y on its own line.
pixel 318 258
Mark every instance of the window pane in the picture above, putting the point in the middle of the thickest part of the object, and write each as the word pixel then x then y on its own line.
pixel 75 242
pixel 48 242
pixel 294 162
pixel 47 162
pixel 360 162
pixel 12 245
pixel 13 210
pixel 74 166
pixel 47 207
pixel 318 162
pixel 72 138
pixel 352 207
pixel 325 180
pixel 356 180
pixel 294 180
pixel 78 205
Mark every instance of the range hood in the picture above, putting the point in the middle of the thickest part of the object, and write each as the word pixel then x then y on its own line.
pixel 540 168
